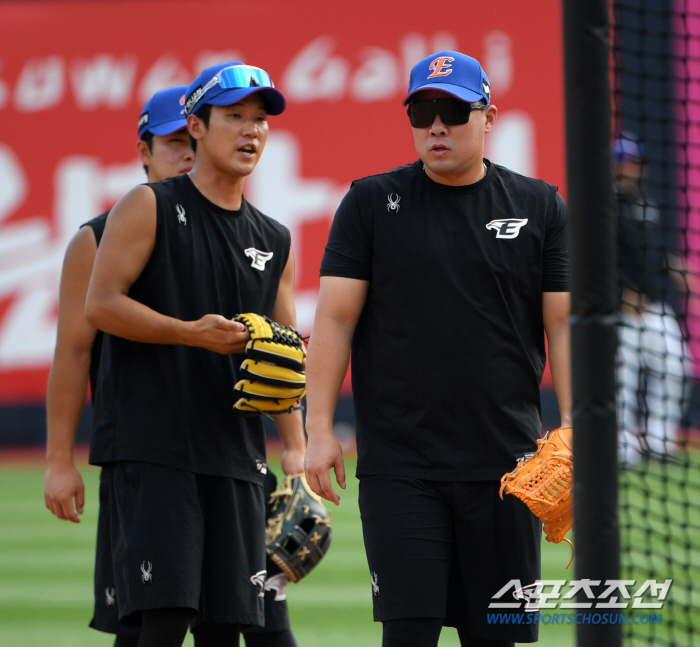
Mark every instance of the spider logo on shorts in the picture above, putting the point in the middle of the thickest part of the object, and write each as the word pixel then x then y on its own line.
pixel 375 583
pixel 393 204
pixel 146 576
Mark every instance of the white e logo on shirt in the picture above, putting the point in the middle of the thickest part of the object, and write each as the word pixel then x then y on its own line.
pixel 258 258
pixel 508 227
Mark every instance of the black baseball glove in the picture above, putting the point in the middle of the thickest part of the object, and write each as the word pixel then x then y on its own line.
pixel 298 532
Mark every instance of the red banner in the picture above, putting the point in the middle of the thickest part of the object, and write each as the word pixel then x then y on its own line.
pixel 74 76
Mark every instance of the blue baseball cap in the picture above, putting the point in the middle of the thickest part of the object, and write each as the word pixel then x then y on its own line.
pixel 628 148
pixel 230 82
pixel 164 112
pixel 453 72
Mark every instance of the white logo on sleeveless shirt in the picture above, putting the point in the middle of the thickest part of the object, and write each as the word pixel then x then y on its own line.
pixel 181 215
pixel 258 258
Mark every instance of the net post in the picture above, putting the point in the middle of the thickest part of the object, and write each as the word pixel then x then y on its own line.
pixel 593 307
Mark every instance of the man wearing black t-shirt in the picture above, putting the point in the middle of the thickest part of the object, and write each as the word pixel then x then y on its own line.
pixel 178 260
pixel 441 277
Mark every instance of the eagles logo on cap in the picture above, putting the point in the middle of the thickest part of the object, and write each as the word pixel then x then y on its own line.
pixel 441 66
pixel 452 72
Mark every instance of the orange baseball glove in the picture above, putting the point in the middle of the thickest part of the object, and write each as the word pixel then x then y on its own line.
pixel 544 482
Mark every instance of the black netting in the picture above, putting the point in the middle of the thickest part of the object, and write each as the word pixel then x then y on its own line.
pixel 656 156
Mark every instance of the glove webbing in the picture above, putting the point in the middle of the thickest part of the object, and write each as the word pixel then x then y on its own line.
pixel 285 334
pixel 547 484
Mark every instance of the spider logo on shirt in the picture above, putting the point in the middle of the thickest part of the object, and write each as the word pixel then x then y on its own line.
pixel 393 203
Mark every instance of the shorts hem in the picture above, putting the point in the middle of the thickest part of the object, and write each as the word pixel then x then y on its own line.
pixel 110 628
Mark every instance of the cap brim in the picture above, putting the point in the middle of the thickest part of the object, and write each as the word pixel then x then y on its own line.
pixel 275 102
pixel 168 127
pixel 456 91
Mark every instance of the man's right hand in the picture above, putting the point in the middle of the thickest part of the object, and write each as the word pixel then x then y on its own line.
pixel 323 452
pixel 218 334
pixel 63 486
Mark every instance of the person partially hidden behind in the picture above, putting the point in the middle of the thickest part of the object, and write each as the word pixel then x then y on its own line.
pixel 653 356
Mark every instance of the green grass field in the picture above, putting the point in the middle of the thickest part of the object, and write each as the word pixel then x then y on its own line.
pixel 660 537
pixel 46 570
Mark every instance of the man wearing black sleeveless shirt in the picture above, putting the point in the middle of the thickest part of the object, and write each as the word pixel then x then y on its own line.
pixel 165 151
pixel 442 278
pixel 179 259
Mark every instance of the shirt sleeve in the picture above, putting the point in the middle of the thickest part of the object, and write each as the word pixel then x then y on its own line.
pixel 555 256
pixel 349 248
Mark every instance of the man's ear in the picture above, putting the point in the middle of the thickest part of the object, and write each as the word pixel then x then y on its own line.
pixel 491 115
pixel 196 127
pixel 144 152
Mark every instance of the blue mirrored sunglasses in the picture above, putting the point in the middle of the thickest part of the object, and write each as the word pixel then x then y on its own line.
pixel 236 77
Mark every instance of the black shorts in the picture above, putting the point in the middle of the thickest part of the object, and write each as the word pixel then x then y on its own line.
pixel 442 549
pixel 106 613
pixel 276 610
pixel 187 540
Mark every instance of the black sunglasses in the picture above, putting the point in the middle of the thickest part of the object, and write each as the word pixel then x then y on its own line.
pixel 453 112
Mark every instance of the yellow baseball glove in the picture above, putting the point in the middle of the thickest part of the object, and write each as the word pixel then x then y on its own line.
pixel 273 371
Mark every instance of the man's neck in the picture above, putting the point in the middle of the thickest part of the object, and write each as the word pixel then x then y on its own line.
pixel 472 176
pixel 225 191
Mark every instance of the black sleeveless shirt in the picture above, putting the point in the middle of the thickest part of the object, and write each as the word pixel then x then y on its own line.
pixel 173 404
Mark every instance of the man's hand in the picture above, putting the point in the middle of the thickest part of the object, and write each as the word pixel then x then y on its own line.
pixel 293 462
pixel 324 452
pixel 62 486
pixel 218 334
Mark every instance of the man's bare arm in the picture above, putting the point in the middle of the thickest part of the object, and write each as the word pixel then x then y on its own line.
pixel 555 310
pixel 340 304
pixel 125 248
pixel 64 491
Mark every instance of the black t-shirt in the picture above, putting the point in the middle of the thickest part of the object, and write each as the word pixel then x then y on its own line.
pixel 173 404
pixel 449 350
pixel 98 226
